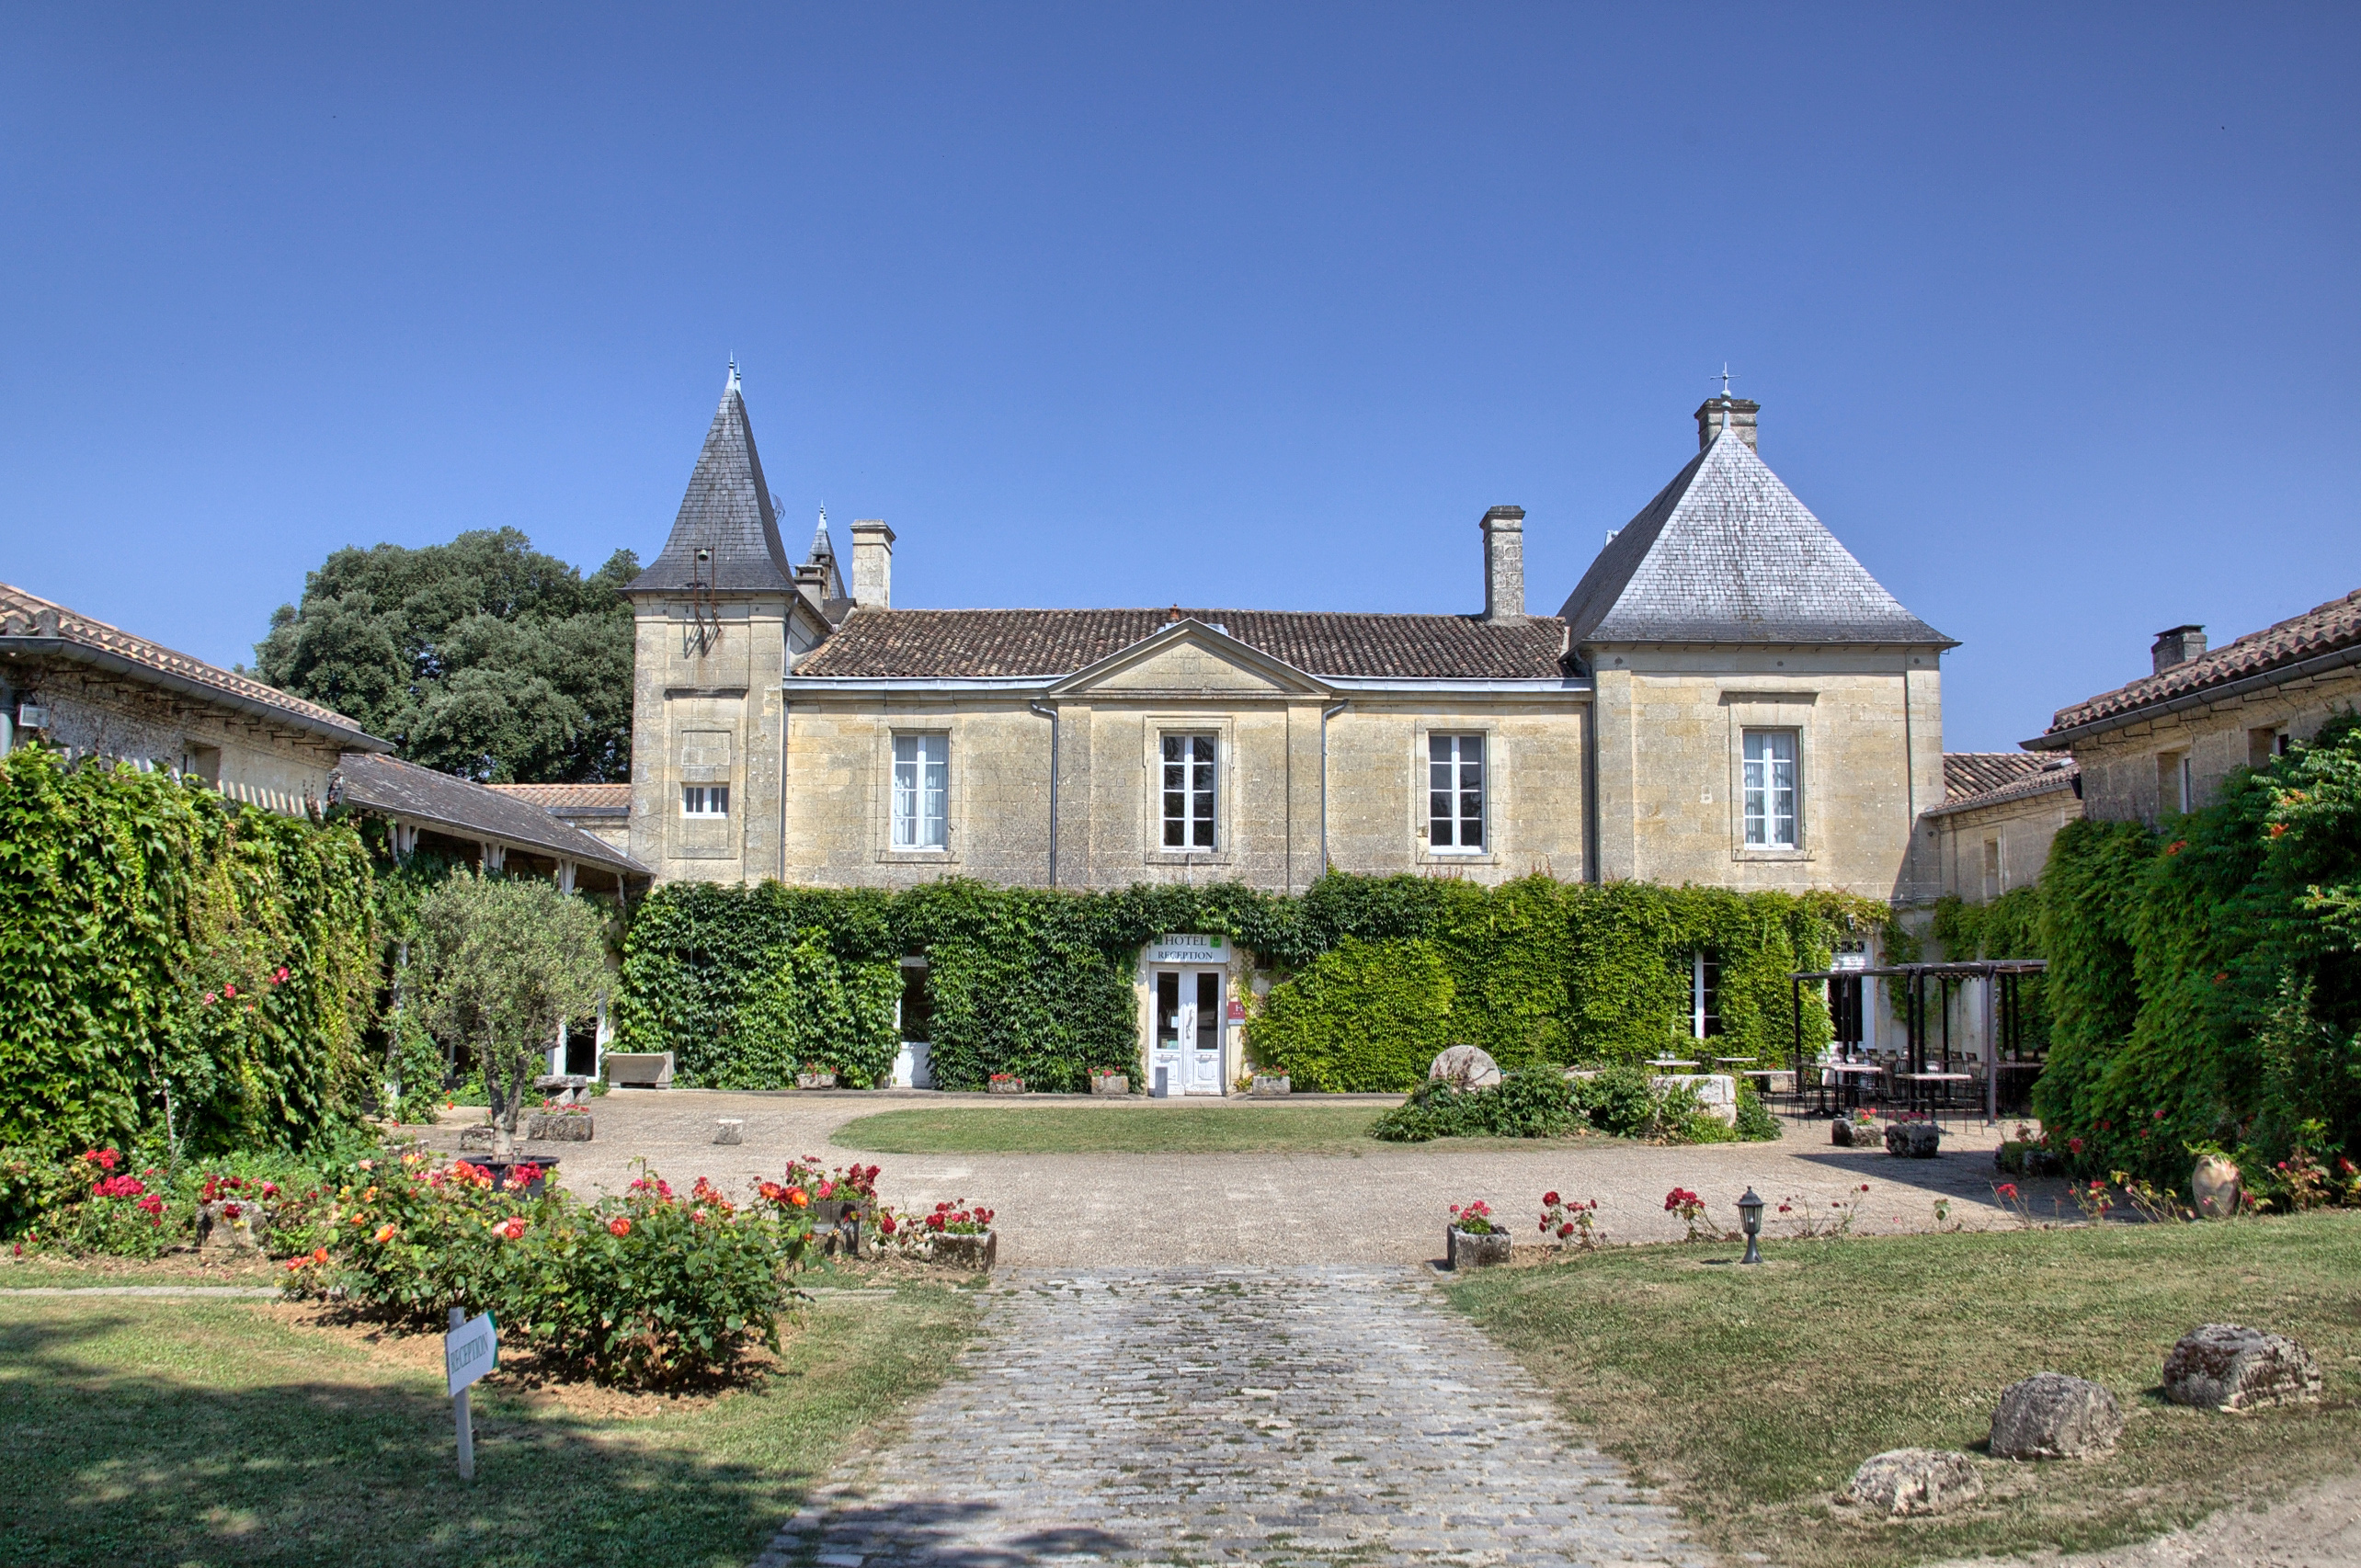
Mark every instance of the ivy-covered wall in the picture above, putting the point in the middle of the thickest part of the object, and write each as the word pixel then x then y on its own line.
pixel 2206 979
pixel 160 944
pixel 1374 974
pixel 2010 926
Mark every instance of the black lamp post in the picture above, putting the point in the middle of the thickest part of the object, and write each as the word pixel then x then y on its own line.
pixel 1749 1219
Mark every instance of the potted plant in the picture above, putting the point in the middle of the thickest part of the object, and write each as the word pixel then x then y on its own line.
pixel 2216 1182
pixel 960 1235
pixel 1270 1084
pixel 1107 1080
pixel 814 1075
pixel 561 1120
pixel 1472 1240
pixel 1005 1084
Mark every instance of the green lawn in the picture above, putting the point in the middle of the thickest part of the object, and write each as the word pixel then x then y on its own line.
pixel 1752 1394
pixel 199 1433
pixel 1112 1130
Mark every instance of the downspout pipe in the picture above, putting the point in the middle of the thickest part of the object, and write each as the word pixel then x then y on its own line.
pixel 1051 714
pixel 1325 714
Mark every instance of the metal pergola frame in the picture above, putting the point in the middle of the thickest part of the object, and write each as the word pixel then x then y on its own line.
pixel 2003 1010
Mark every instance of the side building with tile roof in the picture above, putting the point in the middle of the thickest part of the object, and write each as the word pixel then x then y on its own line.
pixel 2163 744
pixel 2000 813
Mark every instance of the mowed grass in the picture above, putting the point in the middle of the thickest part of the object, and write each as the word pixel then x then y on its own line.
pixel 1751 1393
pixel 1112 1130
pixel 201 1433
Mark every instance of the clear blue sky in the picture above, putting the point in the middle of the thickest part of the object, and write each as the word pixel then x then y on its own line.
pixel 2052 311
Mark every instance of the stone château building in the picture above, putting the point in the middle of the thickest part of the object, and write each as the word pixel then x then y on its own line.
pixel 1727 697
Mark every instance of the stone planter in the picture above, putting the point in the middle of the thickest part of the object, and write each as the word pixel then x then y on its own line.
pixel 1111 1083
pixel 2023 1159
pixel 1272 1083
pixel 503 1174
pixel 836 1224
pixel 1005 1085
pixel 1846 1133
pixel 978 1252
pixel 218 1226
pixel 639 1069
pixel 1464 1250
pixel 558 1127
pixel 2217 1185
pixel 816 1080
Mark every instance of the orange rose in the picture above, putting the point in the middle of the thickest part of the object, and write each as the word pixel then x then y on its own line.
pixel 799 1197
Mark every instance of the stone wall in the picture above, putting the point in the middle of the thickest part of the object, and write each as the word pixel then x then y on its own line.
pixel 2130 774
pixel 2022 829
pixel 1870 725
pixel 706 709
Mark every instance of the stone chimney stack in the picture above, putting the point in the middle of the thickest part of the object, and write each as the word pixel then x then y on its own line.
pixel 1740 412
pixel 1504 563
pixel 2178 646
pixel 873 565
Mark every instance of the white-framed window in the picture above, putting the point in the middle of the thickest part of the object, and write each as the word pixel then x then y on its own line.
pixel 1189 792
pixel 1704 994
pixel 705 800
pixel 921 791
pixel 1455 793
pixel 1770 790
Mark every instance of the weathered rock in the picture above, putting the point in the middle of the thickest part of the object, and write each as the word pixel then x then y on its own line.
pixel 2052 1416
pixel 229 1224
pixel 1465 1067
pixel 557 1126
pixel 1914 1140
pixel 2216 1185
pixel 729 1130
pixel 1915 1481
pixel 2227 1366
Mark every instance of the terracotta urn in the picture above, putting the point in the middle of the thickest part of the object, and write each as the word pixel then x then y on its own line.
pixel 2215 1185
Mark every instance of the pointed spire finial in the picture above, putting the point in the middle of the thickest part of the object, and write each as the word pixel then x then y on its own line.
pixel 734 373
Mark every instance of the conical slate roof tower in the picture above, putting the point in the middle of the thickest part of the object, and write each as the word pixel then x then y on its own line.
pixel 725 513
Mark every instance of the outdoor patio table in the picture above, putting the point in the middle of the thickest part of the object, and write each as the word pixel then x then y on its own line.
pixel 1925 1085
pixel 1669 1061
pixel 1848 1076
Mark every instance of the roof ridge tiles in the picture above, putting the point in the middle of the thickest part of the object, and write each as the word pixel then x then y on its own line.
pixel 2326 627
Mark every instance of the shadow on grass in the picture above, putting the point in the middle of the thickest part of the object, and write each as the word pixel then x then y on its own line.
pixel 103 1465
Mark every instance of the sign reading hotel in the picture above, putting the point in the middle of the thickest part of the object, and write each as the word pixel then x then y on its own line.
pixel 1189 947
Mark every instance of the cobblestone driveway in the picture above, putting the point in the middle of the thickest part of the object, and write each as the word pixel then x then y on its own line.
pixel 1210 1416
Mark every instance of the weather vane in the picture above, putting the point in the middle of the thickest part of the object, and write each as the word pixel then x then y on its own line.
pixel 1725 381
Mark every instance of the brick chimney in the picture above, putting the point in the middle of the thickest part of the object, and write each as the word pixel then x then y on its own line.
pixel 873 565
pixel 2178 646
pixel 1741 411
pixel 1504 563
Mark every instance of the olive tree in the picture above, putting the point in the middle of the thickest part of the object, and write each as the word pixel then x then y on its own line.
pixel 501 963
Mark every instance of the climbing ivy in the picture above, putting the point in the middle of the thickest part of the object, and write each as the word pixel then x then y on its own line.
pixel 1371 974
pixel 174 965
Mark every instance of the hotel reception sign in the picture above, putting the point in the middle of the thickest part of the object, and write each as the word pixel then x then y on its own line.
pixel 1189 947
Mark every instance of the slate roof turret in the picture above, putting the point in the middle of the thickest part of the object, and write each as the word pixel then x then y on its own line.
pixel 1726 554
pixel 726 511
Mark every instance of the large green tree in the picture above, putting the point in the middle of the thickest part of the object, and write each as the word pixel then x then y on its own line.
pixel 481 657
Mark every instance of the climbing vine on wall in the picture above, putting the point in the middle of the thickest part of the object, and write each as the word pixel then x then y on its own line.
pixel 1040 982
pixel 166 954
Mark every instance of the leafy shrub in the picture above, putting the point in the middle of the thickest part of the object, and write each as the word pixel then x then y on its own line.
pixel 1531 1103
pixel 1621 1100
pixel 644 1289
pixel 1755 1122
pixel 1366 1015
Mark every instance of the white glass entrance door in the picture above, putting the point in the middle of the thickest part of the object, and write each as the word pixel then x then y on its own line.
pixel 1189 1021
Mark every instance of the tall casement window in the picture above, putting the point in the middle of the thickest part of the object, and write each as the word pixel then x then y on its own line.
pixel 1704 994
pixel 1770 790
pixel 705 800
pixel 1189 792
pixel 1455 792
pixel 921 791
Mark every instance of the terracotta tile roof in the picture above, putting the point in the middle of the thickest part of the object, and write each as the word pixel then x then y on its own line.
pixel 1976 778
pixel 465 809
pixel 569 798
pixel 28 618
pixel 955 643
pixel 2324 628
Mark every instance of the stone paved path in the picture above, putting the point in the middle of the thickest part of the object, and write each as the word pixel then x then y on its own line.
pixel 1312 1416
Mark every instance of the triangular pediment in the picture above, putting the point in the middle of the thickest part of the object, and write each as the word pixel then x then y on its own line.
pixel 1191 657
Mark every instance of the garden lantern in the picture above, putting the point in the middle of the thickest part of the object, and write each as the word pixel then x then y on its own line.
pixel 1749 1219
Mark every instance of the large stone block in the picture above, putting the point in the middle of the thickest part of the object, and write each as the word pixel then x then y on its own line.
pixel 2228 1366
pixel 1915 1481
pixel 2052 1416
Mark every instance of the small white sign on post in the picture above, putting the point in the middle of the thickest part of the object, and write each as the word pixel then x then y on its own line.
pixel 471 1350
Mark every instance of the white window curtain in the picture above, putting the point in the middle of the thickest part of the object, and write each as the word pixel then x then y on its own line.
pixel 1771 790
pixel 921 791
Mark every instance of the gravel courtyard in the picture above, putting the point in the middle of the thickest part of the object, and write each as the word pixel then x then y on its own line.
pixel 1385 1203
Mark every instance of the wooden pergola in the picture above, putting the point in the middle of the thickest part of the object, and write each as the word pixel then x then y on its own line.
pixel 2003 1013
